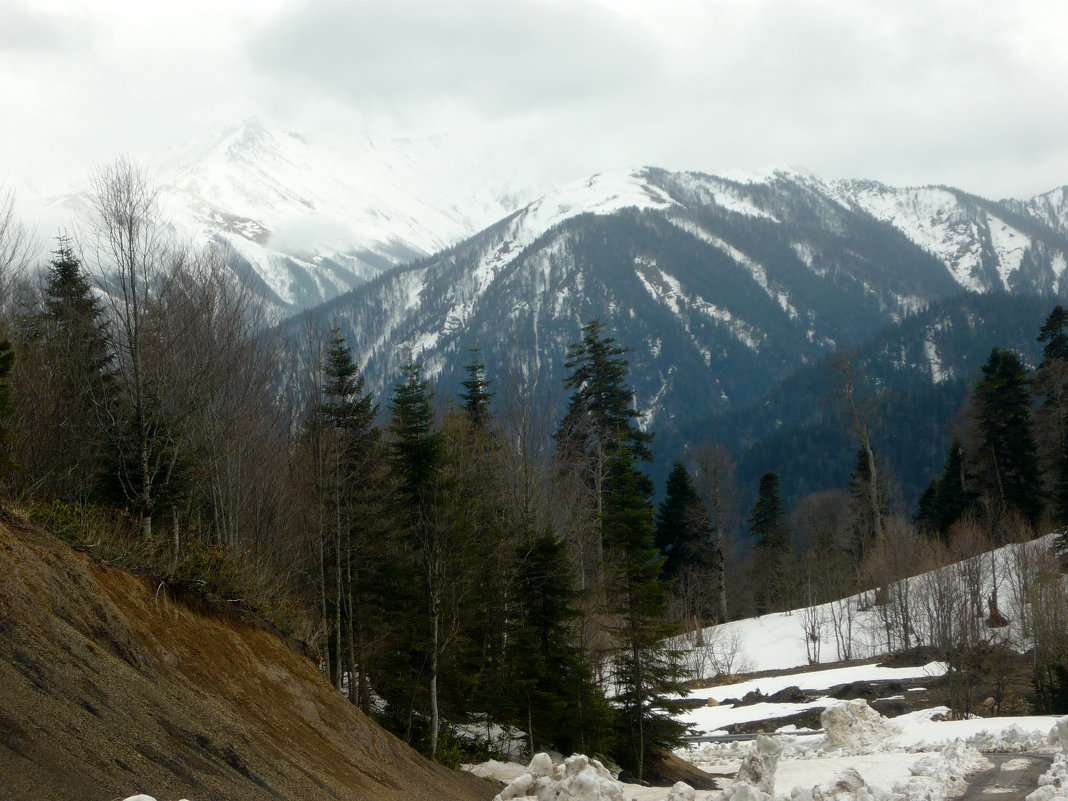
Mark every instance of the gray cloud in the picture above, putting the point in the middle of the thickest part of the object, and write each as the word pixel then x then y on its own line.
pixel 496 58
pixel 905 92
pixel 27 28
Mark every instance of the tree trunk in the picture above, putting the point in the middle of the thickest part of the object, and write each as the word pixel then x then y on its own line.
pixel 434 687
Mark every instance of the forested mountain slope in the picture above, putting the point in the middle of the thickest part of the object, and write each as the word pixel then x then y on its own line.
pixel 720 286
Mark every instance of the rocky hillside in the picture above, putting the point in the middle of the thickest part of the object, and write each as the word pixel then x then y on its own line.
pixel 109 687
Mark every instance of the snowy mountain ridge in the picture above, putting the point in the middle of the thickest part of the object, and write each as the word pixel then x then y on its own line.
pixel 720 286
pixel 306 217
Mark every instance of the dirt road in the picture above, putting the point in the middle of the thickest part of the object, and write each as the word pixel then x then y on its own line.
pixel 1011 778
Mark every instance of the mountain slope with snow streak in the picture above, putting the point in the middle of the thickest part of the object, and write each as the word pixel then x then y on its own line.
pixel 720 285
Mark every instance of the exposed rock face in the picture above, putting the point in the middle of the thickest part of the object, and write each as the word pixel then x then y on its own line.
pixel 109 688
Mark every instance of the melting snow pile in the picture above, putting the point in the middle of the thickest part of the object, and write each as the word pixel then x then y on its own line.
pixel 680 791
pixel 846 786
pixel 940 775
pixel 756 776
pixel 934 777
pixel 579 778
pixel 1053 785
pixel 1012 740
pixel 854 726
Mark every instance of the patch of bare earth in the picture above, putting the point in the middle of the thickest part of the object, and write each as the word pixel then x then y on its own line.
pixel 108 688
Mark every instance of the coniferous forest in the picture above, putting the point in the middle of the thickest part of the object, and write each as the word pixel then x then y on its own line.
pixel 468 558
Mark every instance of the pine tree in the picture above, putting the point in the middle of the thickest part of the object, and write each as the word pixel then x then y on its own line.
pixel 436 525
pixel 475 392
pixel 600 442
pixel 683 530
pixel 1005 467
pixel 351 486
pixel 1051 417
pixel 600 412
pixel 945 500
pixel 416 447
pixel 600 423
pixel 648 672
pixel 556 700
pixel 66 382
pixel 767 525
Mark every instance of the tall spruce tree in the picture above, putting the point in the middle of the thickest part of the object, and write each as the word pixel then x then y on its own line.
pixel 1005 463
pixel 600 412
pixel 648 670
pixel 945 500
pixel 351 485
pixel 475 392
pixel 683 530
pixel 600 423
pixel 767 525
pixel 439 530
pixel 555 698
pixel 65 382
pixel 1051 417
pixel 599 434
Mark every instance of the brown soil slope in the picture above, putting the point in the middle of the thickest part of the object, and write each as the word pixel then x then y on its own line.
pixel 108 689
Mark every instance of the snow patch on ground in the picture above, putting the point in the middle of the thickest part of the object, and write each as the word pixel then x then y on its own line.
pixel 578 778
pixel 1053 784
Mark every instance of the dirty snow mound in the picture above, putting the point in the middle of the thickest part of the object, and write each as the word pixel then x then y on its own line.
pixel 1012 740
pixel 947 769
pixel 758 768
pixel 846 786
pixel 680 791
pixel 756 776
pixel 855 726
pixel 579 778
pixel 1053 784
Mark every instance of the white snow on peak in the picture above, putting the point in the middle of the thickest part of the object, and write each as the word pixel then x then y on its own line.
pixel 365 203
pixel 316 195
pixel 723 191
pixel 604 193
pixel 935 220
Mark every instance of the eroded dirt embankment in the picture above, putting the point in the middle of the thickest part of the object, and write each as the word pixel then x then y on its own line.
pixel 108 688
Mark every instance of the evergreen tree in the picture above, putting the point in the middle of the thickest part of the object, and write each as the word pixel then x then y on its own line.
pixel 599 441
pixel 945 500
pixel 351 482
pixel 1005 467
pixel 648 672
pixel 600 424
pixel 475 392
pixel 600 412
pixel 767 525
pixel 683 529
pixel 65 383
pixel 416 448
pixel 555 698
pixel 1051 417
pixel 437 525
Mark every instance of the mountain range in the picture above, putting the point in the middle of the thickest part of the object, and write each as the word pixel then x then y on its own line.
pixel 723 287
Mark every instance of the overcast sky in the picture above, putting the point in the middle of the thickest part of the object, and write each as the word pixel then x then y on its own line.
pixel 969 93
